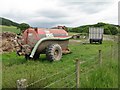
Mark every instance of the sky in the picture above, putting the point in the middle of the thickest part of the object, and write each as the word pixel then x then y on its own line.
pixel 50 13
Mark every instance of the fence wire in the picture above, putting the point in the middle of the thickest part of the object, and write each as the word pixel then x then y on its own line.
pixel 64 71
pixel 110 51
pixel 50 76
pixel 73 81
pixel 60 80
pixel 59 73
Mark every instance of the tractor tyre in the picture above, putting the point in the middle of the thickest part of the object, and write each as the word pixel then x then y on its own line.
pixel 54 52
pixel 100 41
pixel 36 56
pixel 91 41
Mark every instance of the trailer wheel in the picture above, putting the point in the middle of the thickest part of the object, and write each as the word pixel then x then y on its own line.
pixel 90 41
pixel 100 41
pixel 54 52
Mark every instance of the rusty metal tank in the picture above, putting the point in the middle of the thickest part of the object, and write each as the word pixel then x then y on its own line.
pixel 38 40
pixel 32 35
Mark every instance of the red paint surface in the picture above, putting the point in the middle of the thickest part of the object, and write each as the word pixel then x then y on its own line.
pixel 40 31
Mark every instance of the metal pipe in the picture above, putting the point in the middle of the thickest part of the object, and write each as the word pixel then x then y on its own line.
pixel 45 39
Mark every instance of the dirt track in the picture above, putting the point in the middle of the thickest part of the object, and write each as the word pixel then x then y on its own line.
pixel 83 41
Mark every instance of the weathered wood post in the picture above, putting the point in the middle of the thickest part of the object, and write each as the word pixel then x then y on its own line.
pixel 77 73
pixel 100 57
pixel 21 84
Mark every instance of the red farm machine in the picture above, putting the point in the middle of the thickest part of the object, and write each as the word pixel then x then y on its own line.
pixel 36 41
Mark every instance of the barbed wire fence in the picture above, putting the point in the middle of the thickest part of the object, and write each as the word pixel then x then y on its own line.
pixel 72 80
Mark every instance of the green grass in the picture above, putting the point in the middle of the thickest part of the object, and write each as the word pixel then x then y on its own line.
pixel 72 33
pixel 15 67
pixel 9 29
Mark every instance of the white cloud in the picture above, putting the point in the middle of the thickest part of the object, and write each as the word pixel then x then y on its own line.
pixel 48 13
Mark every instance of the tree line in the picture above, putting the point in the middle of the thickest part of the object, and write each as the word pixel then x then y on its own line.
pixel 7 22
pixel 108 28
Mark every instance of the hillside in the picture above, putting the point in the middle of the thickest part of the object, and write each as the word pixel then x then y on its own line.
pixel 11 26
pixel 8 22
pixel 108 28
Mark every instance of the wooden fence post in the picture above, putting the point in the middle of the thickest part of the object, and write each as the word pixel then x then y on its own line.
pixel 77 73
pixel 100 57
pixel 21 84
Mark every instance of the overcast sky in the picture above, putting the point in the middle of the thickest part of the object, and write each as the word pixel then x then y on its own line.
pixel 49 13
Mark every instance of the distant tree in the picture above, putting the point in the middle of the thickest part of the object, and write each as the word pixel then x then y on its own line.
pixel 118 28
pixel 106 29
pixel 23 26
pixel 100 24
pixel 69 29
pixel 75 30
pixel 85 29
pixel 110 29
pixel 113 30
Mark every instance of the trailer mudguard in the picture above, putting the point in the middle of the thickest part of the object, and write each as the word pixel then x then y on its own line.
pixel 45 39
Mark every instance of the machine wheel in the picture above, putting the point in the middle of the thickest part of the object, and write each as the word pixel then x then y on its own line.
pixel 54 52
pixel 36 56
pixel 100 41
pixel 90 41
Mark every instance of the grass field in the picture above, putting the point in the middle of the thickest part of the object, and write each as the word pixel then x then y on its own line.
pixel 10 29
pixel 15 30
pixel 92 75
pixel 72 33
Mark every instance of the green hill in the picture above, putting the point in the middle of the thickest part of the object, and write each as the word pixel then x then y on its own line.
pixel 7 25
pixel 108 28
pixel 8 22
pixel 11 26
